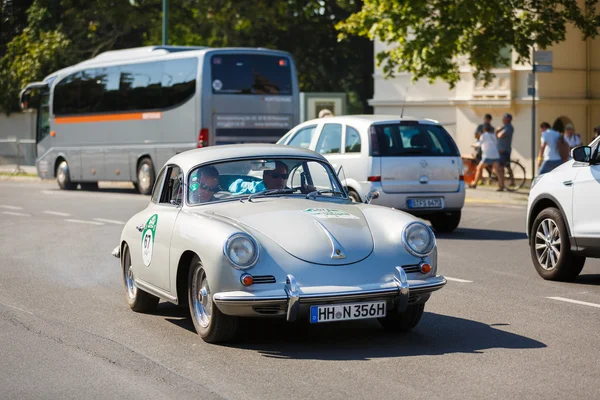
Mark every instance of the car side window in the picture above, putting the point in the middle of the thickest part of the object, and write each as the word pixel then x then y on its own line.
pixel 352 140
pixel 158 186
pixel 303 137
pixel 330 140
pixel 173 187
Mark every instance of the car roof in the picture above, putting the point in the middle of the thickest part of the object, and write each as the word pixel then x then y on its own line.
pixel 191 158
pixel 368 120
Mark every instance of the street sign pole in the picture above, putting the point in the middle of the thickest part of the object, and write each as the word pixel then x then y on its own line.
pixel 533 121
pixel 165 5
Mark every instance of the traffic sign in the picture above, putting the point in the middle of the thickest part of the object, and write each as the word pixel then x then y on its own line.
pixel 542 57
pixel 543 68
pixel 530 91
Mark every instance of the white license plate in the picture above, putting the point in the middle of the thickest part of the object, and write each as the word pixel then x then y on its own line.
pixel 345 312
pixel 425 203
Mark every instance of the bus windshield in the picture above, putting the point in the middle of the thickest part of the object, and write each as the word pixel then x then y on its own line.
pixel 251 74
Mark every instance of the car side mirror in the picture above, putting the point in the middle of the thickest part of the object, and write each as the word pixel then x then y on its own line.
pixel 582 154
pixel 372 195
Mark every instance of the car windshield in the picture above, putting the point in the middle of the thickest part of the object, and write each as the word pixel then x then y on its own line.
pixel 261 177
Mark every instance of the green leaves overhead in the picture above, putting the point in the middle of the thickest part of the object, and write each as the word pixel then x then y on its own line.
pixel 432 38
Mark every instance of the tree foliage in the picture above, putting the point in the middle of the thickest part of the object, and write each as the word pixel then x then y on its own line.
pixel 429 38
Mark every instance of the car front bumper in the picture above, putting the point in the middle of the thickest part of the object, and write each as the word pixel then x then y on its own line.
pixel 294 301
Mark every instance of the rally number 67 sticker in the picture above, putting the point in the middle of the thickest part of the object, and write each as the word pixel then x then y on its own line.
pixel 148 239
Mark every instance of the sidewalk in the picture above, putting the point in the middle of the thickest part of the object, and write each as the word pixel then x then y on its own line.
pixel 487 195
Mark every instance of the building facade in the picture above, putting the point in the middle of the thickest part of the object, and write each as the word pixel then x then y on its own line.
pixel 568 94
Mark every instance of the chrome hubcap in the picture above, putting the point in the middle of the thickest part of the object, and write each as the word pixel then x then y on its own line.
pixel 144 177
pixel 131 288
pixel 548 244
pixel 202 300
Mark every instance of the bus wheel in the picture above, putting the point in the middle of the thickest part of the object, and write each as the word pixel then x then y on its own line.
pixel 62 177
pixel 145 176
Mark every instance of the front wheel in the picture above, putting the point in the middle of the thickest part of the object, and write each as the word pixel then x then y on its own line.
pixel 402 322
pixel 550 248
pixel 446 222
pixel 63 178
pixel 210 323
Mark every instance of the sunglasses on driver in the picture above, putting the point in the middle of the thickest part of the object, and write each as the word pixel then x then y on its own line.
pixel 213 189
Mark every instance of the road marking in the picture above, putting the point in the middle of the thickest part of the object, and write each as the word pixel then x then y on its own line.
pixel 583 303
pixel 79 221
pixel 109 221
pixel 12 207
pixel 60 214
pixel 16 213
pixel 457 280
pixel 17 308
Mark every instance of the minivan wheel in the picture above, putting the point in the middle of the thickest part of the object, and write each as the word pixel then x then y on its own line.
pixel 550 248
pixel 445 222
pixel 63 178
pixel 353 196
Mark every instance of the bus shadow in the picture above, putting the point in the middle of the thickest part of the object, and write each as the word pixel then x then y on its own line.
pixel 436 335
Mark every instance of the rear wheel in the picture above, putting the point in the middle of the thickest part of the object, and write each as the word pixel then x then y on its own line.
pixel 137 299
pixel 402 322
pixel 445 222
pixel 550 248
pixel 145 176
pixel 211 324
pixel 63 178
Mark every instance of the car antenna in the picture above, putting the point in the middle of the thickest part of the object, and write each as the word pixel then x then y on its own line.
pixel 404 102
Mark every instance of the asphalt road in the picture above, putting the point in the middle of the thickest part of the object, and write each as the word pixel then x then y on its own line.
pixel 495 331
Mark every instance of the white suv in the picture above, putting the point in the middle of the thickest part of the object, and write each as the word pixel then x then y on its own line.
pixel 563 215
pixel 414 164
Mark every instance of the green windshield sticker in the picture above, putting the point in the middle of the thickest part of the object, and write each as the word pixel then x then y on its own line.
pixel 148 239
pixel 194 186
pixel 329 213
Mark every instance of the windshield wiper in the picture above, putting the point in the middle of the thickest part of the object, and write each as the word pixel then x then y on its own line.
pixel 316 193
pixel 269 192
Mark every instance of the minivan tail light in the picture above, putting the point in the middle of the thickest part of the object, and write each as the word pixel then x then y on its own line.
pixel 374 179
pixel 203 138
pixel 374 142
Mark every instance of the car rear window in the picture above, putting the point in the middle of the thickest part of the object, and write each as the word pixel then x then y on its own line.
pixel 397 140
pixel 251 74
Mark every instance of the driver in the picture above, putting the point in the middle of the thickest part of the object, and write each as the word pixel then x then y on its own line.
pixel 272 179
pixel 204 184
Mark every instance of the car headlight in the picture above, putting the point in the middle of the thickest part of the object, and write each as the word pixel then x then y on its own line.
pixel 418 239
pixel 536 180
pixel 241 250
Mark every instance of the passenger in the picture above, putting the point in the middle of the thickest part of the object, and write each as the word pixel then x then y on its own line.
pixel 204 184
pixel 272 179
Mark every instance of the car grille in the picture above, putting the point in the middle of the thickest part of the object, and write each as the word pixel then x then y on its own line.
pixel 411 268
pixel 263 279
pixel 270 309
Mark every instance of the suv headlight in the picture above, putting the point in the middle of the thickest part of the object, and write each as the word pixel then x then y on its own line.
pixel 536 180
pixel 241 250
pixel 418 239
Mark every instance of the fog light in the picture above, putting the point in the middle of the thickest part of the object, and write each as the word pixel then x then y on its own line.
pixel 247 280
pixel 425 268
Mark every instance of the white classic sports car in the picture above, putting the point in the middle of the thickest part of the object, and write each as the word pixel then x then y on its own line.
pixel 268 231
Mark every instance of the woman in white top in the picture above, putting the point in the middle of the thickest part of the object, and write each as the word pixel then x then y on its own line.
pixel 490 156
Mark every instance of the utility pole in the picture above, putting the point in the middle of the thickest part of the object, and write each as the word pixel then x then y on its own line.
pixel 165 38
pixel 533 158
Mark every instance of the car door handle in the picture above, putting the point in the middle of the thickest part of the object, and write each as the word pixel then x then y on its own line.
pixel 568 183
pixel 140 227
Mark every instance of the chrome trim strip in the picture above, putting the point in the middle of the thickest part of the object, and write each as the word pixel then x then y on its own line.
pixel 291 289
pixel 337 251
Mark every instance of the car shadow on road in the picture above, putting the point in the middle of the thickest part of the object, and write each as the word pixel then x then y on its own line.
pixel 176 315
pixel 362 340
pixel 481 234
pixel 589 279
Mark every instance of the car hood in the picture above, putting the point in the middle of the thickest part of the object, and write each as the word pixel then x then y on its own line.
pixel 319 232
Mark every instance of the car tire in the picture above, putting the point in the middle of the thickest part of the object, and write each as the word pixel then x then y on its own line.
pixel 89 186
pixel 138 300
pixel 210 323
pixel 564 267
pixel 145 176
pixel 446 222
pixel 402 322
pixel 354 196
pixel 63 178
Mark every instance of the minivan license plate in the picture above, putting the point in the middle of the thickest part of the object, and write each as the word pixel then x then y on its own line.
pixel 344 312
pixel 425 203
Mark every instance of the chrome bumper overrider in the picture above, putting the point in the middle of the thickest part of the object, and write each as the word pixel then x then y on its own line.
pixel 242 303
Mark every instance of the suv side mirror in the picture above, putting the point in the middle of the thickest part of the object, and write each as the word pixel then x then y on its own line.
pixel 582 154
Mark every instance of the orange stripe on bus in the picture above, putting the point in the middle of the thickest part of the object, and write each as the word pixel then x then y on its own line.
pixel 108 118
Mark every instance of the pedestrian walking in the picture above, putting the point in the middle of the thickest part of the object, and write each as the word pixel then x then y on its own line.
pixel 487 119
pixel 490 156
pixel 505 136
pixel 549 157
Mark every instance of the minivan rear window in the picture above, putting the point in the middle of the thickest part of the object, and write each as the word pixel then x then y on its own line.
pixel 397 140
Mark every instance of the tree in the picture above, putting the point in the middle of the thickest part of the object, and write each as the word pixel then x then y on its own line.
pixel 429 38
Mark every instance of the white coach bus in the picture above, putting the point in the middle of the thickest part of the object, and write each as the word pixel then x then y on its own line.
pixel 121 115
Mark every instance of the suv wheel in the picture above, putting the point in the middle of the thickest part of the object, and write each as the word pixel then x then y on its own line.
pixel 445 222
pixel 551 249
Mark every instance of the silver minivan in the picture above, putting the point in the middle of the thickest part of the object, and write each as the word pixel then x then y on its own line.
pixel 414 164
